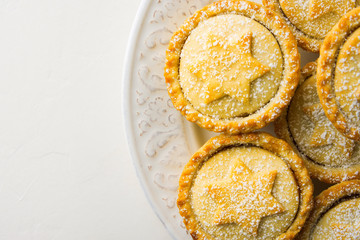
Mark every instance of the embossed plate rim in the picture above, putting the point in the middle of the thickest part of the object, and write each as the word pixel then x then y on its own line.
pixel 126 86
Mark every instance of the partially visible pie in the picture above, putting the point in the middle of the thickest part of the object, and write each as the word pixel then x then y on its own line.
pixel 232 68
pixel 336 214
pixel 338 75
pixel 311 20
pixel 250 186
pixel 330 156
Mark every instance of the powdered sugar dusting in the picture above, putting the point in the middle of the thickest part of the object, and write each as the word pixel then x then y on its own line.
pixel 347 79
pixel 314 134
pixel 315 17
pixel 224 76
pixel 276 208
pixel 340 222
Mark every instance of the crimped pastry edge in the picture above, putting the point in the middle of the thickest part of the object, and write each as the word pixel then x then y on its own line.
pixel 325 72
pixel 325 200
pixel 323 173
pixel 267 113
pixel 258 139
pixel 305 41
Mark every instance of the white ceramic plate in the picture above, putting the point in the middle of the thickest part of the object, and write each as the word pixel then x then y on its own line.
pixel 161 141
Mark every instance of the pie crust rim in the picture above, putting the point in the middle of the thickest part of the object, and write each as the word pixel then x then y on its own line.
pixel 327 199
pixel 305 41
pixel 267 113
pixel 259 139
pixel 325 70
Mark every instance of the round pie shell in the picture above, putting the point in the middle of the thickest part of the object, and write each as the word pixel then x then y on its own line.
pixel 267 113
pixel 305 41
pixel 327 199
pixel 321 172
pixel 325 72
pixel 258 139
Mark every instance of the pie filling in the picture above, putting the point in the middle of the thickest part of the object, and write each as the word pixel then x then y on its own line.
pixel 245 193
pixel 340 222
pixel 314 134
pixel 230 66
pixel 315 18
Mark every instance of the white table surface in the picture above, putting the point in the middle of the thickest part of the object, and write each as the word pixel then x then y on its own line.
pixel 65 170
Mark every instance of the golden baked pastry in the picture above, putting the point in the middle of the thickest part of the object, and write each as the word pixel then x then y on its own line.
pixel 311 20
pixel 328 155
pixel 336 214
pixel 338 74
pixel 249 186
pixel 232 68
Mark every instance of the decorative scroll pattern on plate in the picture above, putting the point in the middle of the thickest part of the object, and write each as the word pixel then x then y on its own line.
pixel 160 128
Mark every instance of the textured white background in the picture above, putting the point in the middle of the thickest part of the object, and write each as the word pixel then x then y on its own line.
pixel 65 170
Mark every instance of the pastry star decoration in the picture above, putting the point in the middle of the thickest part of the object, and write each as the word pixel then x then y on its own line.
pixel 324 133
pixel 244 197
pixel 346 231
pixel 317 8
pixel 227 68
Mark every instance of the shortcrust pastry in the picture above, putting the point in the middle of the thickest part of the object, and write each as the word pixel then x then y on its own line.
pixel 311 20
pixel 232 67
pixel 249 186
pixel 336 214
pixel 338 75
pixel 329 156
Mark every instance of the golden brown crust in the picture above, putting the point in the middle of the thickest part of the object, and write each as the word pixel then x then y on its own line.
pixel 266 114
pixel 305 41
pixel 262 140
pixel 321 172
pixel 308 70
pixel 327 199
pixel 325 72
